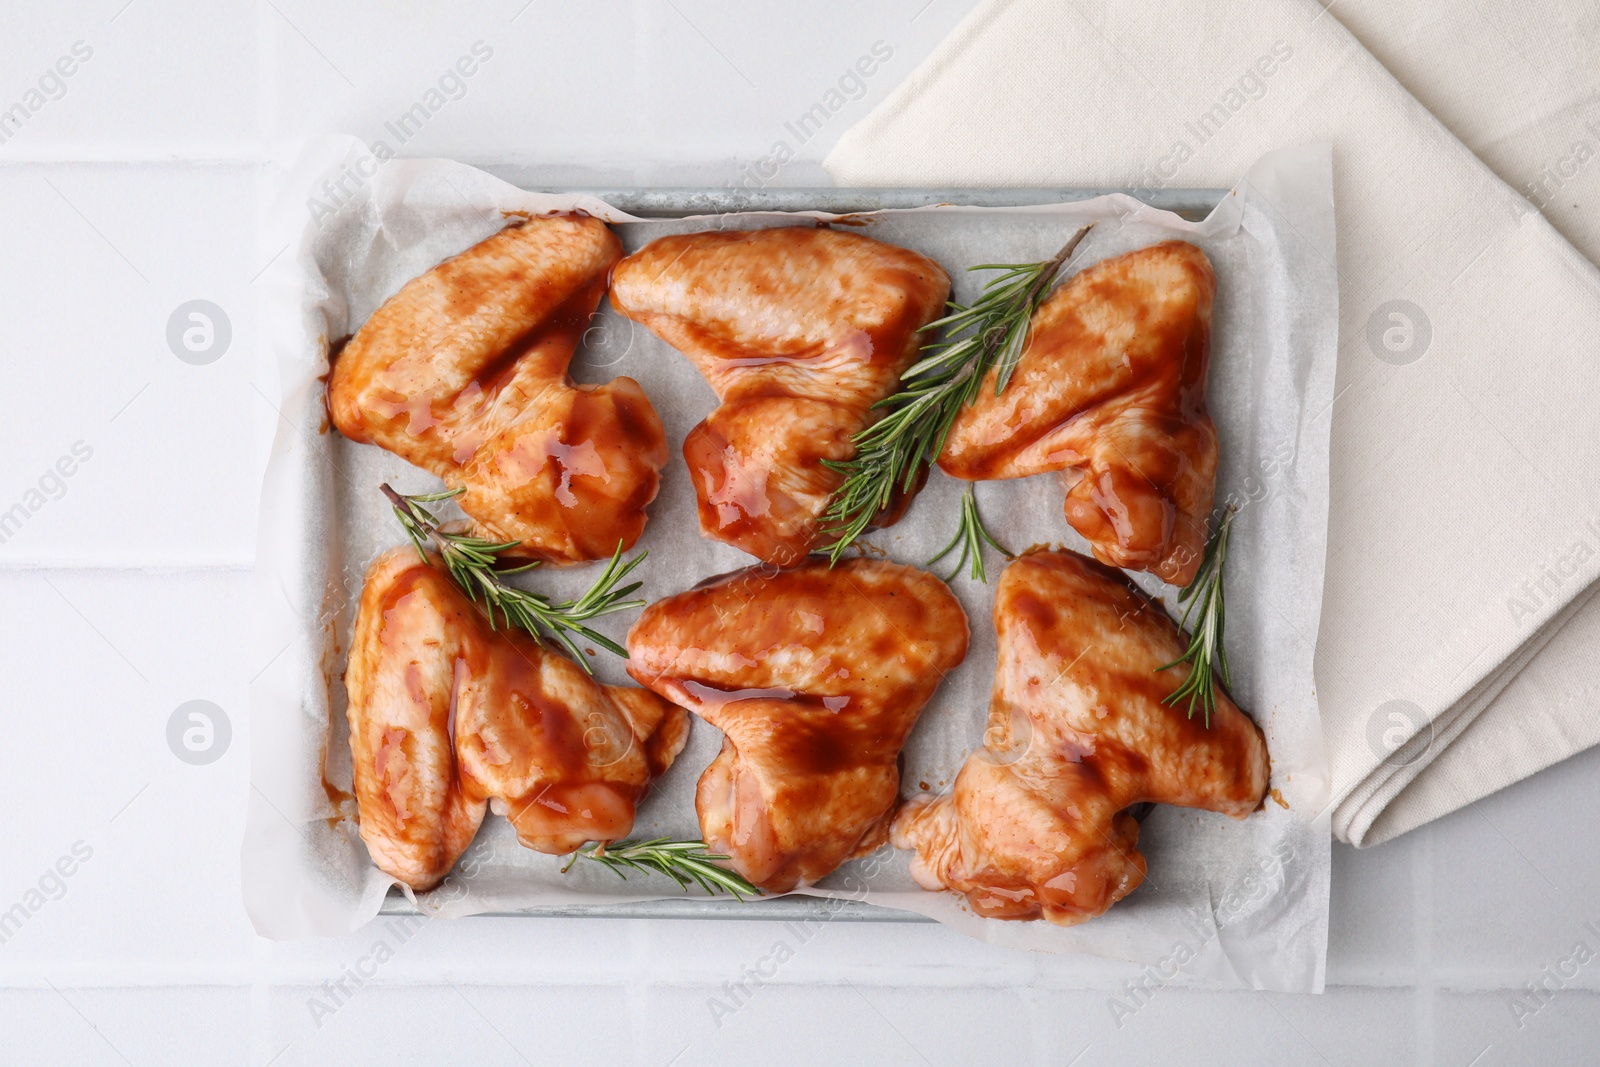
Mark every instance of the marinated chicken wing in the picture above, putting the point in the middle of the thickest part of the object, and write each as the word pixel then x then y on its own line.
pixel 464 373
pixel 799 331
pixel 1037 824
pixel 815 677
pixel 446 714
pixel 1111 392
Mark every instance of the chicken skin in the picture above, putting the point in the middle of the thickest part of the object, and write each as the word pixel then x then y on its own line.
pixel 815 677
pixel 464 373
pixel 1111 392
pixel 799 331
pixel 447 714
pixel 1037 823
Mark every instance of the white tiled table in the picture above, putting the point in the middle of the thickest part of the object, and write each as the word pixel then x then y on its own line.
pixel 136 186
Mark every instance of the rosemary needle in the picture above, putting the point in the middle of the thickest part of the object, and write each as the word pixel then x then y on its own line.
pixel 1203 597
pixel 970 537
pixel 682 861
pixel 892 453
pixel 473 564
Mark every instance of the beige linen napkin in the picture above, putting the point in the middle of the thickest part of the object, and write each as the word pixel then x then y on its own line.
pixel 1518 83
pixel 1459 638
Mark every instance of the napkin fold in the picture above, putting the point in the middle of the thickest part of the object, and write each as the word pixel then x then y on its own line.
pixel 1456 652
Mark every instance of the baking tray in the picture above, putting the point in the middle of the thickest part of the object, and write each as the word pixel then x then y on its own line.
pixel 1192 204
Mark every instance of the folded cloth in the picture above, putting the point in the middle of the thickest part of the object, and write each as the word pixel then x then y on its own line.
pixel 1519 83
pixel 1455 653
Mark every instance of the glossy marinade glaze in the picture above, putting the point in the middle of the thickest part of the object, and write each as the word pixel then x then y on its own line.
pixel 464 373
pixel 1111 392
pixel 1037 823
pixel 799 331
pixel 448 715
pixel 815 676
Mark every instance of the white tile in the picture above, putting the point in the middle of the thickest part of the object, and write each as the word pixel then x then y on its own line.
pixel 148 889
pixel 46 1028
pixel 713 58
pixel 873 953
pixel 1344 1025
pixel 118 452
pixel 176 1025
pixel 510 951
pixel 454 1023
pixel 1372 914
pixel 148 80
pixel 639 92
pixel 1514 877
pixel 354 67
pixel 1347 1024
pixel 1484 1030
pixel 788 1025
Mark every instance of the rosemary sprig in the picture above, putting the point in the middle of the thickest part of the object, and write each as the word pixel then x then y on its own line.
pixel 971 536
pixel 1204 599
pixel 892 453
pixel 682 861
pixel 473 564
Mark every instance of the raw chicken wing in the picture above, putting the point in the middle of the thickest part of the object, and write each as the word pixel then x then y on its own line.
pixel 464 373
pixel 815 677
pixel 446 714
pixel 1111 392
pixel 1037 824
pixel 799 331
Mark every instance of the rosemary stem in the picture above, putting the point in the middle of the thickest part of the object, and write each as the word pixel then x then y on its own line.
pixel 685 862
pixel 472 563
pixel 892 453
pixel 1203 596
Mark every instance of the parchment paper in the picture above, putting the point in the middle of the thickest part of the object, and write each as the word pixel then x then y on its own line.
pixel 1225 901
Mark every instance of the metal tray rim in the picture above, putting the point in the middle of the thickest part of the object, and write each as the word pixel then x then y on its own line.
pixel 678 202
